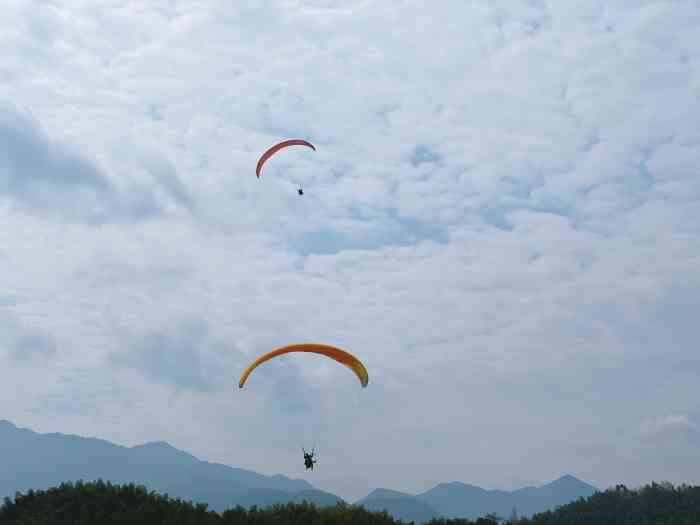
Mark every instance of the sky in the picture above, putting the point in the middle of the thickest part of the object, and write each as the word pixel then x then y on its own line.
pixel 501 220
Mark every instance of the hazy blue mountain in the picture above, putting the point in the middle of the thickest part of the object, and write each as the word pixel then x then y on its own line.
pixel 384 494
pixel 32 460
pixel 399 504
pixel 468 501
pixel 559 492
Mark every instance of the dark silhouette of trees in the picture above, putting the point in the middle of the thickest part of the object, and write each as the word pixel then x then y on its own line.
pixel 99 502
pixel 655 504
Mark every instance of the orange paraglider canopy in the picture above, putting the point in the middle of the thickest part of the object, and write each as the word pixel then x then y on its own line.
pixel 274 149
pixel 339 355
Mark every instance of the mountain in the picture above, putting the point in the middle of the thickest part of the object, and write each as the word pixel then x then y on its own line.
pixel 33 460
pixel 29 460
pixel 564 490
pixel 456 499
pixel 399 504
pixel 460 500
pixel 385 494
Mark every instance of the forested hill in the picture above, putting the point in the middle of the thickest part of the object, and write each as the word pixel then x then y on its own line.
pixel 99 502
pixel 655 504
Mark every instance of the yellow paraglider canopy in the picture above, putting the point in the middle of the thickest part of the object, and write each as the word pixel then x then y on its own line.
pixel 339 355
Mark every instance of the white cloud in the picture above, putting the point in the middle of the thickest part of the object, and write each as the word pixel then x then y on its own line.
pixel 44 176
pixel 500 220
pixel 22 343
pixel 670 426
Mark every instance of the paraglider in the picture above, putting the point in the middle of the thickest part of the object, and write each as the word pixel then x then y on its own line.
pixel 343 357
pixel 309 460
pixel 347 359
pixel 274 149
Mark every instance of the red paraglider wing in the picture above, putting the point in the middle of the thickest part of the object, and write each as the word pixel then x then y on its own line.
pixel 274 149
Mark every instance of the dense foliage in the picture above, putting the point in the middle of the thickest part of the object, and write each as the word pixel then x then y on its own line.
pixel 655 504
pixel 101 503
pixel 104 503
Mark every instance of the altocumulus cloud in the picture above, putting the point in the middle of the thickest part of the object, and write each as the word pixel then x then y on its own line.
pixel 21 343
pixel 671 426
pixel 47 176
pixel 501 220
pixel 175 355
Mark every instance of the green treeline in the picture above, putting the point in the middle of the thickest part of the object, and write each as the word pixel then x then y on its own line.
pixel 655 504
pixel 104 503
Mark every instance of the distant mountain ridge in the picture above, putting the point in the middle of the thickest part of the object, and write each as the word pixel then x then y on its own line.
pixel 30 460
pixel 400 505
pixel 33 460
pixel 460 500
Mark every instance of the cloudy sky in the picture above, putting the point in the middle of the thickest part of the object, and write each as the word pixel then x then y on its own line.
pixel 502 220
